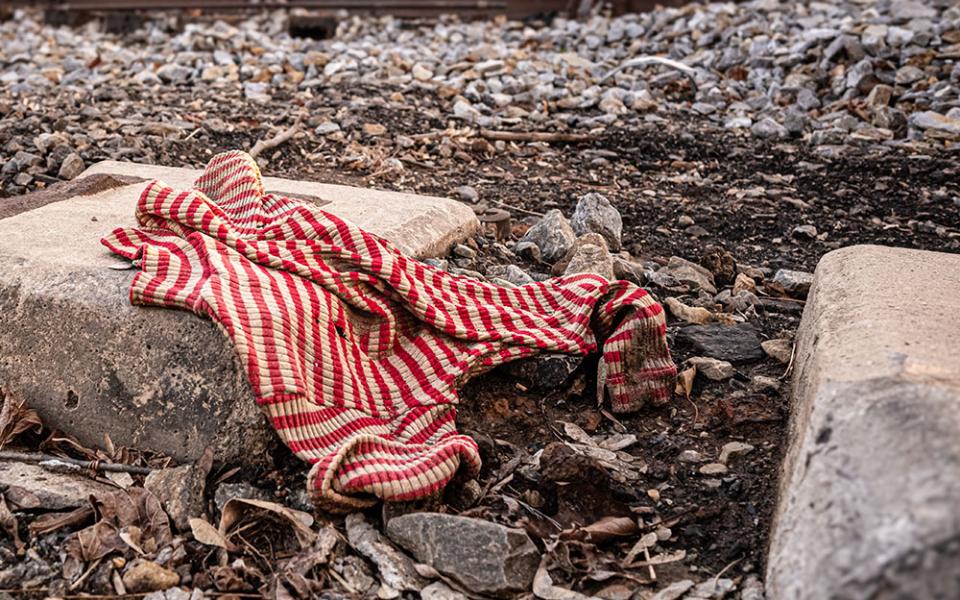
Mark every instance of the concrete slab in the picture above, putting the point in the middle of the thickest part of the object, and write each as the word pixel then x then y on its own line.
pixel 91 364
pixel 419 225
pixel 871 481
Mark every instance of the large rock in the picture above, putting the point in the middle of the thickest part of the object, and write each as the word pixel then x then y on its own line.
pixel 552 234
pixel 397 570
pixel 29 486
pixel 682 273
pixel 545 371
pixel 484 557
pixel 733 343
pixel 795 283
pixel 595 214
pixel 589 254
pixel 936 124
pixel 91 364
pixel 868 499
pixel 180 491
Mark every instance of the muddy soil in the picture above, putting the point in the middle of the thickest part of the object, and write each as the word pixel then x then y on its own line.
pixel 746 196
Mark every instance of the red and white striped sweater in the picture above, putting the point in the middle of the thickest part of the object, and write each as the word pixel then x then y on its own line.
pixel 356 351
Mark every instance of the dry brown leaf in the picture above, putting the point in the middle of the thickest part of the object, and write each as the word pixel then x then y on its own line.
pixel 120 479
pixel 55 442
pixel 236 577
pixel 618 441
pixel 207 534
pixel 238 508
pixel 300 574
pixel 644 543
pixel 577 434
pixel 16 418
pixel 132 536
pixel 685 382
pixel 543 587
pixel 610 527
pixel 22 498
pixel 8 523
pixel 661 559
pixel 605 529
pixel 126 519
pixel 94 542
pixel 51 522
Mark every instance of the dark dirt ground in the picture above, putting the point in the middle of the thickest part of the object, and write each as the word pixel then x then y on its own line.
pixel 747 197
pixel 742 195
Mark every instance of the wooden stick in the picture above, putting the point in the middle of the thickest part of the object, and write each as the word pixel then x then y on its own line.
pixel 646 556
pixel 537 136
pixel 276 140
pixel 36 457
pixel 516 208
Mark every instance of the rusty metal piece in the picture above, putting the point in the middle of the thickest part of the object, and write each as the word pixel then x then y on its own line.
pixel 501 221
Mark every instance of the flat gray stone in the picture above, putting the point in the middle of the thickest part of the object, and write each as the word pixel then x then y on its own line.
pixel 589 254
pixel 595 214
pixel 868 499
pixel 552 235
pixel 936 123
pixel 28 486
pixel 180 492
pixel 733 343
pixel 397 570
pixel 484 557
pixel 91 364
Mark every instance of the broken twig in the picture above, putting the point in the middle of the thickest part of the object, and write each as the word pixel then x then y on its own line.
pixel 96 465
pixel 537 136
pixel 283 136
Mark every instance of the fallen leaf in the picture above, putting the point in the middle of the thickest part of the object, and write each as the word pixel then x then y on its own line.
pixel 618 441
pixel 94 543
pixel 661 559
pixel 121 480
pixel 300 574
pixel 22 498
pixel 16 418
pixel 51 522
pixel 131 536
pixel 685 382
pixel 238 508
pixel 543 587
pixel 8 522
pixel 236 577
pixel 207 534
pixel 126 519
pixel 644 543
pixel 577 434
pixel 610 527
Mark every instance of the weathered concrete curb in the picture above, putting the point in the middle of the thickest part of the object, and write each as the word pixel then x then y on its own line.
pixel 871 487
pixel 91 364
pixel 421 226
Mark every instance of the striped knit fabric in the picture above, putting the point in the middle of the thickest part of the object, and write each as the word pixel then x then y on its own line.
pixel 354 350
